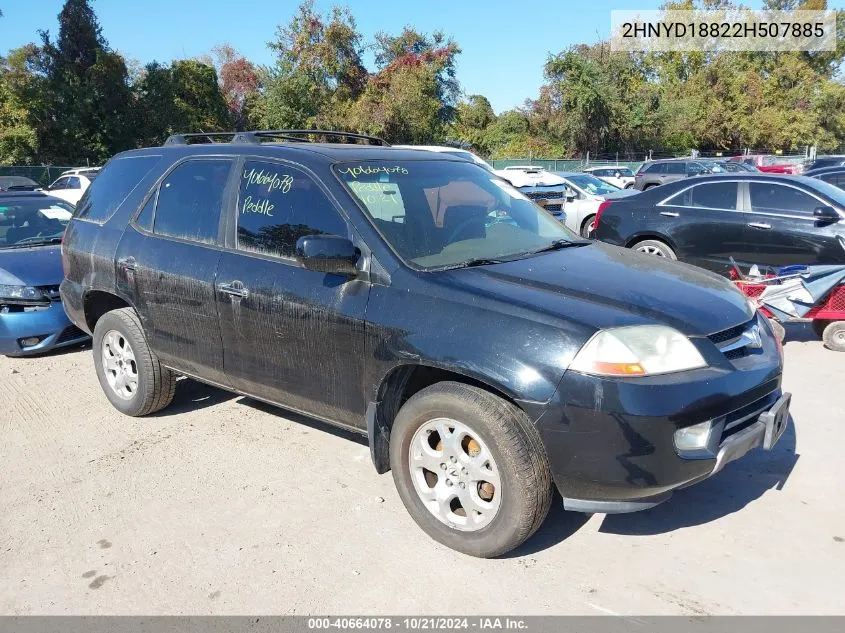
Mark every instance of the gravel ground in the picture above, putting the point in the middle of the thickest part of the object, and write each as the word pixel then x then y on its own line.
pixel 223 505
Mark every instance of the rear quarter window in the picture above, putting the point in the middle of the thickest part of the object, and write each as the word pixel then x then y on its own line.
pixel 113 184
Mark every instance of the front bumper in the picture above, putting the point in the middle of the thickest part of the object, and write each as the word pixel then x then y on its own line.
pixel 50 325
pixel 611 442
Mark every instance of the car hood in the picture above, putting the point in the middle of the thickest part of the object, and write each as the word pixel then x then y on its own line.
pixel 540 178
pixel 35 266
pixel 600 286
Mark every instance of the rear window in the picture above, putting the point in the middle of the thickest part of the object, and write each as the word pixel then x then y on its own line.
pixel 115 182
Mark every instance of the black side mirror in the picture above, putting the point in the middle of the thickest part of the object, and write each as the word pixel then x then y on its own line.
pixel 826 214
pixel 328 254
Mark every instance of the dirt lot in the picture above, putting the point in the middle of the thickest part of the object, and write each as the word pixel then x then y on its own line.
pixel 223 505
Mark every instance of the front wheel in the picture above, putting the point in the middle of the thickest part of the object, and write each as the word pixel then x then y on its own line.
pixel 656 248
pixel 587 226
pixel 131 376
pixel 470 469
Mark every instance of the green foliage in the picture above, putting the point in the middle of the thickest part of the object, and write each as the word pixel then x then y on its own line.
pixel 74 100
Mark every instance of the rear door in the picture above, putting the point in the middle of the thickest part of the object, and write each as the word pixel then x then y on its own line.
pixel 782 230
pixel 167 260
pixel 704 224
pixel 290 335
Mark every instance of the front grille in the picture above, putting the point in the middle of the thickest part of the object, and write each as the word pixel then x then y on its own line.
pixel 728 335
pixel 733 354
pixel 741 419
pixel 553 207
pixel 70 333
pixel 545 195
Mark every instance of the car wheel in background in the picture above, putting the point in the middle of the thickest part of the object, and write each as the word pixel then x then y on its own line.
pixel 470 469
pixel 587 226
pixel 834 336
pixel 630 185
pixel 131 376
pixel 656 248
pixel 650 185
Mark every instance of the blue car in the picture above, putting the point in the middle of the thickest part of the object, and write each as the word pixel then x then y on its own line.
pixel 32 318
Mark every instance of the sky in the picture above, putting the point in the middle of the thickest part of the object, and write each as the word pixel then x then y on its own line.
pixel 504 42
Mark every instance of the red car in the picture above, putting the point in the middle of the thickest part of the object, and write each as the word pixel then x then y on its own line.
pixel 770 163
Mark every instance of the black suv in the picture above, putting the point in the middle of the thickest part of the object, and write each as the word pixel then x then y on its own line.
pixel 659 172
pixel 418 299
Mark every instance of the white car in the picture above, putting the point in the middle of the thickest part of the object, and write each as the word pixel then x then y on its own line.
pixel 453 151
pixel 621 177
pixel 71 184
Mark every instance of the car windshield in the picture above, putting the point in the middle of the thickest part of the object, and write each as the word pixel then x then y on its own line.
pixel 831 191
pixel 591 184
pixel 440 214
pixel 30 222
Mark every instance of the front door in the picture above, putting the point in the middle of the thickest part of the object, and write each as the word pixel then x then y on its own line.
pixel 704 225
pixel 783 231
pixel 167 260
pixel 290 335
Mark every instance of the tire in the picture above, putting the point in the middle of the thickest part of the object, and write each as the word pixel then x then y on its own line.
pixel 122 357
pixel 514 454
pixel 585 226
pixel 834 336
pixel 655 248
pixel 777 329
pixel 630 185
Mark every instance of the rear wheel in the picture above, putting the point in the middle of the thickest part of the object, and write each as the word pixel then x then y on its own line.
pixel 587 226
pixel 834 336
pixel 131 376
pixel 649 186
pixel 656 248
pixel 470 469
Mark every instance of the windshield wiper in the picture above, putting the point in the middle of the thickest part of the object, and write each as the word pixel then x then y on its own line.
pixel 44 242
pixel 557 245
pixel 476 261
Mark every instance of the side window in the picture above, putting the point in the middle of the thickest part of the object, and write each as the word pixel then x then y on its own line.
pixel 773 198
pixel 719 195
pixel 278 204
pixel 675 168
pixel 114 182
pixel 73 183
pixel 145 218
pixel 61 183
pixel 190 200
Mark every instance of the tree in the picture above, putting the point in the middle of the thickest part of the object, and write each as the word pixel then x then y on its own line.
pixel 473 116
pixel 88 104
pixel 182 97
pixel 318 72
pixel 239 83
pixel 20 93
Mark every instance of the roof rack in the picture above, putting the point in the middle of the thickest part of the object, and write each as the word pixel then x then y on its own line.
pixel 184 139
pixel 256 136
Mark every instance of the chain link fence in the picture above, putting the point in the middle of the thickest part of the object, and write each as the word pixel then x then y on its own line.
pixel 42 174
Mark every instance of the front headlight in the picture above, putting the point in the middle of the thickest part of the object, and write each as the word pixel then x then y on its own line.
pixel 638 350
pixel 25 295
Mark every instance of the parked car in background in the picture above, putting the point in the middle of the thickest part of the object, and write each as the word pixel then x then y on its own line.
pixel 833 175
pixel 824 161
pixel 730 166
pixel 621 177
pixel 71 184
pixel 486 352
pixel 17 183
pixel 451 151
pixel 659 172
pixel 770 163
pixel 32 318
pixel 763 219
